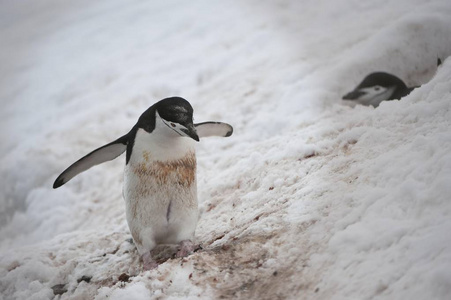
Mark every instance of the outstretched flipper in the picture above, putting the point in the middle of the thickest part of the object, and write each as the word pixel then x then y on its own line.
pixel 105 153
pixel 207 129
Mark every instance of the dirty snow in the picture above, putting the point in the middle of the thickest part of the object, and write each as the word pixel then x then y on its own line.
pixel 310 198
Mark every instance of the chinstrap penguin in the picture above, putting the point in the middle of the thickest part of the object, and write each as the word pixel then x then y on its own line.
pixel 160 188
pixel 378 87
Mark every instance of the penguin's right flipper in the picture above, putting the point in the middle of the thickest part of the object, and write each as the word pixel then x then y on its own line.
pixel 105 153
pixel 207 129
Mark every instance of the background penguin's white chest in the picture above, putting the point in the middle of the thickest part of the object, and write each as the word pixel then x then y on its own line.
pixel 160 189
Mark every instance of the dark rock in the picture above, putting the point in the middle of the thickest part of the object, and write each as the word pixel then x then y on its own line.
pixel 84 278
pixel 124 277
pixel 198 248
pixel 59 289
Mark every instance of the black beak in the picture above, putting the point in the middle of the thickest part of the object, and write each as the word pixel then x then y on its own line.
pixel 191 132
pixel 353 95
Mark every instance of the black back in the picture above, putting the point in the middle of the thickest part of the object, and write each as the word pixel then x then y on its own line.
pixel 386 80
pixel 382 79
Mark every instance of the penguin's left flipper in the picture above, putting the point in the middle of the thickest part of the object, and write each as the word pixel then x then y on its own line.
pixel 207 129
pixel 105 153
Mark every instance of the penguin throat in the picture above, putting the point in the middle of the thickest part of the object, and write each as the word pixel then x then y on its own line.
pixel 159 147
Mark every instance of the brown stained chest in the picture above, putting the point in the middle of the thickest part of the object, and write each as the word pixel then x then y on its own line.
pixel 180 171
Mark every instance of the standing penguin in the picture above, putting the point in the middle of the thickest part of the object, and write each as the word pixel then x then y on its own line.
pixel 377 87
pixel 160 188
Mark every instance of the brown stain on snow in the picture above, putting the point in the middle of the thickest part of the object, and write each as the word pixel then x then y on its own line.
pixel 236 270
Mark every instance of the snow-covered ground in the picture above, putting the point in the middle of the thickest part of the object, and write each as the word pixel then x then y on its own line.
pixel 311 198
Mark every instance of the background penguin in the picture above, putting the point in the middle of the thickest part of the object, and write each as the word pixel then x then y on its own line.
pixel 377 87
pixel 160 188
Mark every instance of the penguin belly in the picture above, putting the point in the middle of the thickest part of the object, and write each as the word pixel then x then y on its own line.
pixel 161 200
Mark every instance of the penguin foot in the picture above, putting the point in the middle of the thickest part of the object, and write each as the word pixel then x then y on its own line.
pixel 186 248
pixel 148 262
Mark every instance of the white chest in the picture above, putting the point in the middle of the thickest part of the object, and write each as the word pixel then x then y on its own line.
pixel 160 189
pixel 159 165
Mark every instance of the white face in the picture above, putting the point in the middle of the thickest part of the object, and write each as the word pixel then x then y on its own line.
pixel 170 129
pixel 375 94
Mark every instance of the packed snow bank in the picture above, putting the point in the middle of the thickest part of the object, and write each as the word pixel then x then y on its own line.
pixel 309 198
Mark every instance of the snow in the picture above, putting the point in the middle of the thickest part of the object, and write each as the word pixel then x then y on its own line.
pixel 310 198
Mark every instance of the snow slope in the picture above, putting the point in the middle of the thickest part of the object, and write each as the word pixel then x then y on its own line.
pixel 310 198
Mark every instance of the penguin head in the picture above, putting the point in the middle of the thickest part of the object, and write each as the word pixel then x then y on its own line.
pixel 172 117
pixel 376 88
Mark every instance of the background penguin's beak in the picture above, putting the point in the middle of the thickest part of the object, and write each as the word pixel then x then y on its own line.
pixel 353 95
pixel 191 132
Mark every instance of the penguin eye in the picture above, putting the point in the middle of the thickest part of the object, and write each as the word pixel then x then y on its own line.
pixel 377 88
pixel 172 124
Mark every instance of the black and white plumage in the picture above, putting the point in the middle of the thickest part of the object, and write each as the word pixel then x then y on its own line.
pixel 378 87
pixel 160 187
